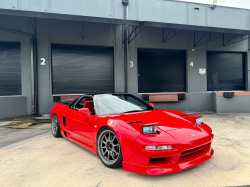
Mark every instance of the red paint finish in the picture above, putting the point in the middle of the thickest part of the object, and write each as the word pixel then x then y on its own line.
pixel 191 143
pixel 152 104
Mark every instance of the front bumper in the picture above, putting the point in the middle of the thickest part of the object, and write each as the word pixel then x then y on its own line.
pixel 167 168
pixel 183 156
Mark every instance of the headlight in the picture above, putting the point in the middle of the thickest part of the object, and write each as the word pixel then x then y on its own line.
pixel 164 147
pixel 149 129
pixel 199 121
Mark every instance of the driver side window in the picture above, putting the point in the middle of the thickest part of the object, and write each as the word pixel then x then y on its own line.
pixel 86 102
pixel 80 104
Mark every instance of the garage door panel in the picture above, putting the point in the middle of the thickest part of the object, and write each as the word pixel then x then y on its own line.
pixel 230 68
pixel 10 68
pixel 82 69
pixel 161 70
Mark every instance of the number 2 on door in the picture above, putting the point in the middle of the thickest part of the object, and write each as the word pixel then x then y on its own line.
pixel 43 61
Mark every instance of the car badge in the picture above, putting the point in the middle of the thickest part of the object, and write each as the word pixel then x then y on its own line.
pixel 192 135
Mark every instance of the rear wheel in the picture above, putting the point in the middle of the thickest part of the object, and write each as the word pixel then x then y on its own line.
pixel 55 127
pixel 109 149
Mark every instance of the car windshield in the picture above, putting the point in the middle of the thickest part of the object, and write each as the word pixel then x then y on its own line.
pixel 119 103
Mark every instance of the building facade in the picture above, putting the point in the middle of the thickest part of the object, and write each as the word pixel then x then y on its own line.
pixel 50 48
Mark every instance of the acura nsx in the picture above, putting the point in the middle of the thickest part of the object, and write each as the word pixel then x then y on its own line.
pixel 125 131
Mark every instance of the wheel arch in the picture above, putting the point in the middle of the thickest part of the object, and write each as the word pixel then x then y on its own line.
pixel 58 110
pixel 125 133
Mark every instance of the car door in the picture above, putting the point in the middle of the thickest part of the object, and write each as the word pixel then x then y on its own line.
pixel 68 119
pixel 81 124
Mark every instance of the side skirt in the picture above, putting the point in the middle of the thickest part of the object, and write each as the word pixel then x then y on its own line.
pixel 86 146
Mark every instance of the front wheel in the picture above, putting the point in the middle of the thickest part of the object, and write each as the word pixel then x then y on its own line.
pixel 55 127
pixel 109 149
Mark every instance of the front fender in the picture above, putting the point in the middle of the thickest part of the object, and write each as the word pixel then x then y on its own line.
pixel 188 117
pixel 125 133
pixel 178 113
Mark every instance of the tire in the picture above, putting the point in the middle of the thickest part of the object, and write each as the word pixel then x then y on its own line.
pixel 55 127
pixel 109 149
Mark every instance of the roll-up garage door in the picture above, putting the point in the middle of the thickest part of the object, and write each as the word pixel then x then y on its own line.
pixel 161 70
pixel 82 69
pixel 10 68
pixel 230 69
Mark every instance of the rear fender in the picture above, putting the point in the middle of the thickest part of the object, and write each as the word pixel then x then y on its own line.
pixel 54 110
pixel 59 111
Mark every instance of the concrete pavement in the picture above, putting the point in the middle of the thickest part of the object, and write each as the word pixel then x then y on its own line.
pixel 42 160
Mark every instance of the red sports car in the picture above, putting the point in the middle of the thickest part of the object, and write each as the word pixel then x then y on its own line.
pixel 123 130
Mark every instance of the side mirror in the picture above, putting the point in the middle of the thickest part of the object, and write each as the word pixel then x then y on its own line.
pixel 152 104
pixel 84 111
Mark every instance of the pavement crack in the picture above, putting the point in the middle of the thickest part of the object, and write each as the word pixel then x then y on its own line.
pixel 99 184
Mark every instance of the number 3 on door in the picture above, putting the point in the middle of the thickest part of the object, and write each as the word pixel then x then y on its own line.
pixel 131 64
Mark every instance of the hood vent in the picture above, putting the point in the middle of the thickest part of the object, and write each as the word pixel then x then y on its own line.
pixel 134 122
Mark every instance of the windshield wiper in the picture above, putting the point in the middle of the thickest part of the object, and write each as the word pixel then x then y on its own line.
pixel 134 111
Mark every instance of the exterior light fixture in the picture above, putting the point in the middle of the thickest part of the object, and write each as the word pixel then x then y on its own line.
pixel 163 147
pixel 125 2
pixel 199 121
pixel 149 129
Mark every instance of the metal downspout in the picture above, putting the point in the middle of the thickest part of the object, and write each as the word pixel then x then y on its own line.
pixel 36 109
pixel 35 70
pixel 125 4
pixel 125 61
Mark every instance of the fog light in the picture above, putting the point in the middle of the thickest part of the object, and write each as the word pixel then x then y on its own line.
pixel 163 147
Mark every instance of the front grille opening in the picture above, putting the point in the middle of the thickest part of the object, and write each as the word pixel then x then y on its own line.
pixel 195 153
pixel 190 151
pixel 192 156
pixel 153 160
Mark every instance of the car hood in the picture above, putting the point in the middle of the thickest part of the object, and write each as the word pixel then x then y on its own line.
pixel 192 133
pixel 165 120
